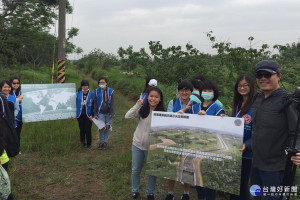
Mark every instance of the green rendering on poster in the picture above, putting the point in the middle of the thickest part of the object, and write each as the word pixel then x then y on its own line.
pixel 43 102
pixel 197 149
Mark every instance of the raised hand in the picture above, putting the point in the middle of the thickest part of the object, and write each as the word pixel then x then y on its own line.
pixel 141 99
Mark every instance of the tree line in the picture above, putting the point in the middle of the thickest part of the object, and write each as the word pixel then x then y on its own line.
pixel 25 37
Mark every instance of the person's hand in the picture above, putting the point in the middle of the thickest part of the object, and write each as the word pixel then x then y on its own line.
pixel 91 118
pixel 202 112
pixel 111 116
pixel 141 99
pixel 96 117
pixel 181 111
pixel 243 148
pixel 20 98
pixel 296 159
pixel 187 107
pixel 107 126
pixel 223 115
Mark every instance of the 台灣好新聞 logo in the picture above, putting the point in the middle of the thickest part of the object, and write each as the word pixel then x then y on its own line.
pixel 255 190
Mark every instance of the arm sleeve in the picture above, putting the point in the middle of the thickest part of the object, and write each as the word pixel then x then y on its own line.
pixel 16 111
pixel 95 105
pixel 112 104
pixel 133 112
pixel 170 106
pixel 248 144
pixel 292 114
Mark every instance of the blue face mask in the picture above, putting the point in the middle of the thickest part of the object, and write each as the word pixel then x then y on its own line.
pixel 207 96
pixel 102 86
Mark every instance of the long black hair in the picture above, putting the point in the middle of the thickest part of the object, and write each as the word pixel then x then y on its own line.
pixel 83 83
pixel 146 84
pixel 17 92
pixel 8 83
pixel 145 109
pixel 238 98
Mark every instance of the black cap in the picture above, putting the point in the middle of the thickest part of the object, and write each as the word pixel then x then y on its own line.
pixel 268 65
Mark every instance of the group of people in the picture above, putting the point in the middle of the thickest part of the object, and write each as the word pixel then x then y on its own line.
pixel 269 127
pixel 98 105
pixel 269 124
pixel 11 126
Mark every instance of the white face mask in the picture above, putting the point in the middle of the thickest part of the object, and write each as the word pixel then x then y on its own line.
pixel 102 86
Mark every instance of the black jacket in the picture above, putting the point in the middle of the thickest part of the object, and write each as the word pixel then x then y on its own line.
pixel 7 129
pixel 274 123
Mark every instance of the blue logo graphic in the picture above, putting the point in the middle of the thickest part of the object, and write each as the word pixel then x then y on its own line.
pixel 255 191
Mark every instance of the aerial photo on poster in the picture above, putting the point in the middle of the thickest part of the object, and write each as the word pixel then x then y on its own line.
pixel 197 149
pixel 43 102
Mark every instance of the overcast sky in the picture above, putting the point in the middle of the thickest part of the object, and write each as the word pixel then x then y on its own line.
pixel 108 25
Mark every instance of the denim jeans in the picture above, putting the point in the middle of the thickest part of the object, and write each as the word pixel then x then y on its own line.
pixel 104 135
pixel 138 157
pixel 266 179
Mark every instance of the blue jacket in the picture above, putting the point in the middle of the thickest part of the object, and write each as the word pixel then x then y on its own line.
pixel 196 107
pixel 146 97
pixel 89 103
pixel 214 109
pixel 247 132
pixel 100 99
pixel 12 98
pixel 19 115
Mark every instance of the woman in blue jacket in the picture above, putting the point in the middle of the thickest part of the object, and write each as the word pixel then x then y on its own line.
pixel 85 104
pixel 16 92
pixel 244 92
pixel 104 110
pixel 209 94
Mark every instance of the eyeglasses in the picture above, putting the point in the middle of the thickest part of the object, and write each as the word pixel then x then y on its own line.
pixel 14 83
pixel 266 75
pixel 243 86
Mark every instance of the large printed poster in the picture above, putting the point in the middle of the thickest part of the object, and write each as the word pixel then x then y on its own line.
pixel 43 102
pixel 199 150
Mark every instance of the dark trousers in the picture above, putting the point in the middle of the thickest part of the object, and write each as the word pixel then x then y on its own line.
pixel 205 193
pixel 245 176
pixel 266 179
pixel 85 126
pixel 18 130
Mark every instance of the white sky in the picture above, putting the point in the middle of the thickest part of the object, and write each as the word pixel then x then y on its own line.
pixel 108 25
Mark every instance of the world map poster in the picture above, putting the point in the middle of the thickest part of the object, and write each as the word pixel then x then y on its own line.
pixel 197 149
pixel 43 102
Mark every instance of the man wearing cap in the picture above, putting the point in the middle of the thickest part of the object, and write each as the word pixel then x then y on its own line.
pixel 274 122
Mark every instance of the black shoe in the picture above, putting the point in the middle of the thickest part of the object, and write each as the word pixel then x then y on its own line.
pixel 150 197
pixel 185 197
pixel 83 144
pixel 100 146
pixel 88 147
pixel 104 145
pixel 136 196
pixel 169 197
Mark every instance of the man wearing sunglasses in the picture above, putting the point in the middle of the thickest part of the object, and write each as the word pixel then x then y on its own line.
pixel 274 122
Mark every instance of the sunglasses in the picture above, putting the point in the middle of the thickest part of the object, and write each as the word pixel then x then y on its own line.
pixel 266 75
pixel 16 83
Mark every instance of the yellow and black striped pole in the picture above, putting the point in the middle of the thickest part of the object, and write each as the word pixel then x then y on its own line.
pixel 61 71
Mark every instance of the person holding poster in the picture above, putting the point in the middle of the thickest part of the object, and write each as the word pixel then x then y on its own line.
pixel 84 108
pixel 244 92
pixel 104 110
pixel 209 95
pixel 274 123
pixel 183 104
pixel 141 138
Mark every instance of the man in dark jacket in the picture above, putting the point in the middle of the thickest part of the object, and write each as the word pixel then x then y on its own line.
pixel 274 123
